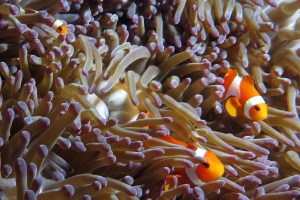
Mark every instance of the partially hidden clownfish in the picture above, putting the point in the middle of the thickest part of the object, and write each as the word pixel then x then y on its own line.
pixel 241 98
pixel 56 25
pixel 209 171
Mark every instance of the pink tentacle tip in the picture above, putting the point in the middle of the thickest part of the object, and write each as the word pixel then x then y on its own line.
pixel 102 181
pixel 6 170
pixel 101 121
pixel 14 10
pixel 64 143
pixel 173 84
pixel 67 190
pixel 160 47
pixel 105 89
pixel 151 46
pixel 201 122
pixel 160 134
pixel 274 3
pixel 96 185
pixel 85 72
pixel 29 195
pixel 3 24
pixel 21 28
pixel 157 101
pixel 76 125
pixel 143 136
pixel 79 146
pixel 85 197
pixel 226 16
pixel 135 101
pixel 24 137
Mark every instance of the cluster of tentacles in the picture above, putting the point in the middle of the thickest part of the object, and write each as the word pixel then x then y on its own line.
pixel 75 108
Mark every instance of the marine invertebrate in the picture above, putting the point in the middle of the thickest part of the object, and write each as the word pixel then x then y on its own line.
pixel 73 107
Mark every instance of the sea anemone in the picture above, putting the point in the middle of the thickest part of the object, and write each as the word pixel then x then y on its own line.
pixel 82 113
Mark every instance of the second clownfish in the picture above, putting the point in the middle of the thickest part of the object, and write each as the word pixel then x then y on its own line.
pixel 241 98
pixel 205 172
pixel 57 24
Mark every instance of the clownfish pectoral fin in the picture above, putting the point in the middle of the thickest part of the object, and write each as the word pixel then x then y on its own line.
pixel 231 105
pixel 247 80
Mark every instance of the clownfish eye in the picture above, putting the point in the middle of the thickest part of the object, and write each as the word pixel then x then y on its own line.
pixel 257 108
pixel 205 165
pixel 59 28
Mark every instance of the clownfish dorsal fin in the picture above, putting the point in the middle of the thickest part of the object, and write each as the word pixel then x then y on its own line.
pixel 231 105
pixel 247 80
pixel 231 72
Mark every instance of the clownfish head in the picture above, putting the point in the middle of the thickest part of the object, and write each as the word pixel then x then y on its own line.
pixel 211 170
pixel 62 29
pixel 259 111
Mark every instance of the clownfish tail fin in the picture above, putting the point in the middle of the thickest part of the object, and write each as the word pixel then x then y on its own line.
pixel 231 105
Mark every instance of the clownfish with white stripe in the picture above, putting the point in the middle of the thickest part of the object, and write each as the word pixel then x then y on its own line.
pixel 59 26
pixel 209 171
pixel 242 99
pixel 56 25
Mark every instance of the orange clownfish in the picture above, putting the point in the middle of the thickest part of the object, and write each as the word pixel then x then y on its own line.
pixel 241 98
pixel 57 24
pixel 205 172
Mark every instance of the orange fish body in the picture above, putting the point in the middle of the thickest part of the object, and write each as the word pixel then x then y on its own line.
pixel 57 24
pixel 242 99
pixel 205 172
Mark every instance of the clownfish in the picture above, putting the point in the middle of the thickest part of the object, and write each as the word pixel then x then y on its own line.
pixel 241 98
pixel 56 25
pixel 209 171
